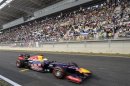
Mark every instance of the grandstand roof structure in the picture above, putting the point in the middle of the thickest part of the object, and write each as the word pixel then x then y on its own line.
pixel 14 9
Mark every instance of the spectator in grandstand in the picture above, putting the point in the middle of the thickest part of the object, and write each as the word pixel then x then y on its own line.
pixel 101 21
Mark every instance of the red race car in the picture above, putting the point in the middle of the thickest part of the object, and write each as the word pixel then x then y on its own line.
pixel 70 71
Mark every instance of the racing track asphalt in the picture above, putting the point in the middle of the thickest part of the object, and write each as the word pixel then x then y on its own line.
pixel 107 71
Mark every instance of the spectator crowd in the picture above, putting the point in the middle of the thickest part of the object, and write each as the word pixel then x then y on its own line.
pixel 106 20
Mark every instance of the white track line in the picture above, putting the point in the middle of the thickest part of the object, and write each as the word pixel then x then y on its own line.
pixel 9 81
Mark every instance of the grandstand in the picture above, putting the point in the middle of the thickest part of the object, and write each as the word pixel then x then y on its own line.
pixel 64 20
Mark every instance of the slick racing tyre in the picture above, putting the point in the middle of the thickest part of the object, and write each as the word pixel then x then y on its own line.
pixel 19 64
pixel 59 72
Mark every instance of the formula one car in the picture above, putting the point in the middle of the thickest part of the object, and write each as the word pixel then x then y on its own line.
pixel 70 71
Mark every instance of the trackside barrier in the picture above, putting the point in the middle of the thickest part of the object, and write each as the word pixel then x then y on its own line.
pixel 102 46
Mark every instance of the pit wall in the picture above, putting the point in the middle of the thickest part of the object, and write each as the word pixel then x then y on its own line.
pixel 108 46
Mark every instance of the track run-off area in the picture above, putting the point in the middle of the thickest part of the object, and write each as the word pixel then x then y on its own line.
pixel 107 71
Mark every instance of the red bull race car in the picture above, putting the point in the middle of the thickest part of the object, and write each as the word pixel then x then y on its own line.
pixel 70 71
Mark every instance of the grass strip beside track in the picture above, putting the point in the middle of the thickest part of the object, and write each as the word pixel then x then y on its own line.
pixel 7 82
pixel 4 83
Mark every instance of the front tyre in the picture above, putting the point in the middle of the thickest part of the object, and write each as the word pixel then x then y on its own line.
pixel 59 72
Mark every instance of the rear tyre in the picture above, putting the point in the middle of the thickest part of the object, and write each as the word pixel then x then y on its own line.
pixel 19 64
pixel 59 72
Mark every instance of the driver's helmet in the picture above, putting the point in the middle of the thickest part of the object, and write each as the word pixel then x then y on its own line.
pixel 40 57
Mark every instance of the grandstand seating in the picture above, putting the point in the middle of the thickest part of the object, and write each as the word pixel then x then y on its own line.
pixel 100 21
